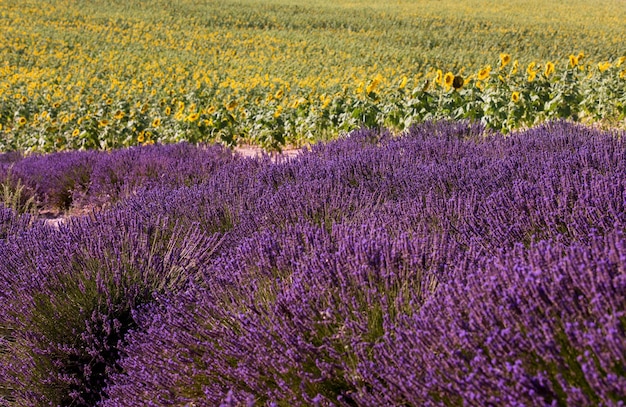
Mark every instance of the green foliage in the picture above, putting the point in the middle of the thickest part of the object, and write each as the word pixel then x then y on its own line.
pixel 16 196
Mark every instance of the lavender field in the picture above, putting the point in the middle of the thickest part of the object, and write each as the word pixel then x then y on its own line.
pixel 447 266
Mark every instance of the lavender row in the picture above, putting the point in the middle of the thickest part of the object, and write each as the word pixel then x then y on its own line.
pixel 447 266
pixel 88 179
pixel 557 182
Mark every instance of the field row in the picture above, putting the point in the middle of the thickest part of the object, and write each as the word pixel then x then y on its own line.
pixel 440 268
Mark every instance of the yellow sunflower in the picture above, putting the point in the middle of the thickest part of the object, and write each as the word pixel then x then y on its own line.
pixel 278 111
pixel 515 97
pixel 549 69
pixel 531 70
pixel 603 66
pixel 403 83
pixel 504 60
pixel 448 78
pixel 374 84
pixel 484 73
pixel 231 105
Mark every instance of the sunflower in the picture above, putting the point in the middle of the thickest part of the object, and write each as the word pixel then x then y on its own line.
pixel 448 79
pixel 531 70
pixel 515 66
pixel 549 69
pixel 168 111
pixel 21 121
pixel 76 132
pixel 296 103
pixel 620 61
pixel 193 117
pixel 403 83
pixel 359 88
pixel 103 123
pixel 141 137
pixel 458 82
pixel 439 79
pixel 119 115
pixel 279 94
pixel 278 111
pixel 515 97
pixel 504 60
pixel 603 66
pixel 484 73
pixel 374 84
pixel 156 122
pixel 231 105
pixel 573 60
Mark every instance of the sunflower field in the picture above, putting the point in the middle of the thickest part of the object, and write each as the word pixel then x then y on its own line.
pixel 91 74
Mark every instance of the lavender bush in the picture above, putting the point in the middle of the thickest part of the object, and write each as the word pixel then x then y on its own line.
pixel 56 179
pixel 542 326
pixel 281 318
pixel 69 296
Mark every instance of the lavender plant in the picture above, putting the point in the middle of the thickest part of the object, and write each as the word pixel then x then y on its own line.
pixel 57 180
pixel 69 296
pixel 283 318
pixel 543 325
